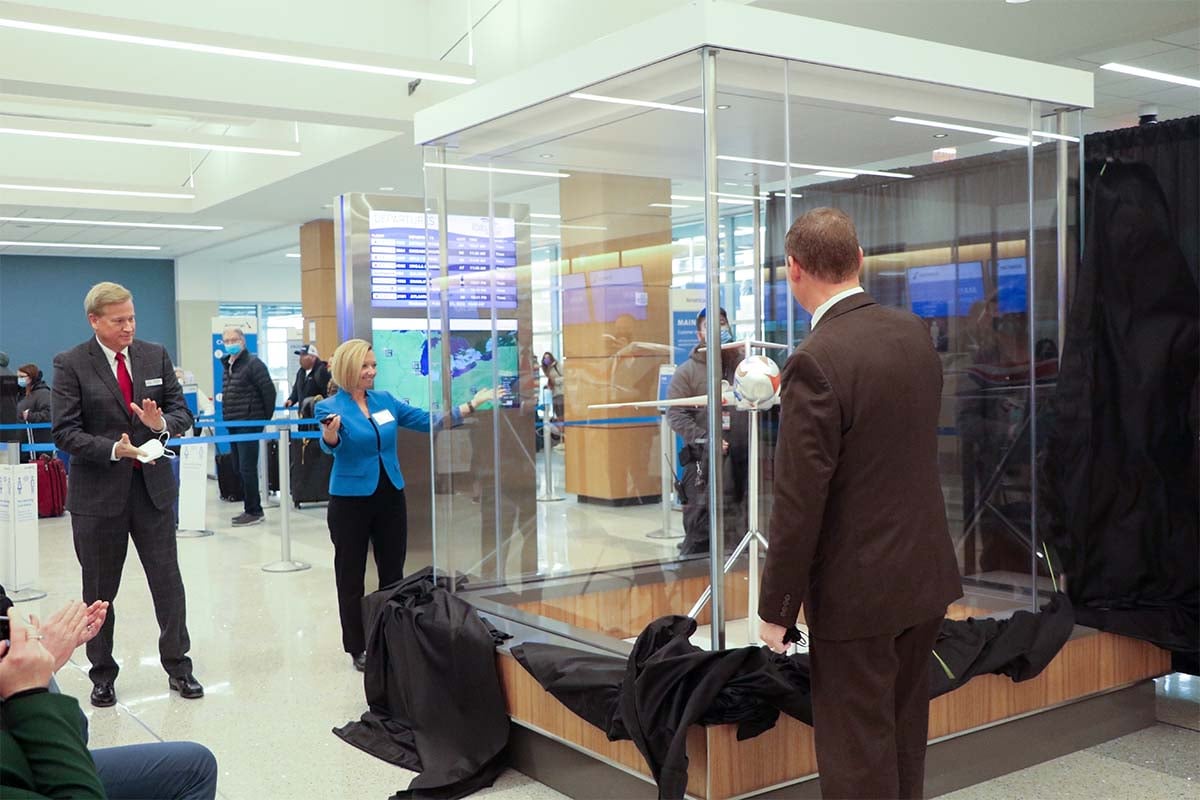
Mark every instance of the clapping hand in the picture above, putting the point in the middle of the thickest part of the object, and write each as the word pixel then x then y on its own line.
pixel 24 663
pixel 72 625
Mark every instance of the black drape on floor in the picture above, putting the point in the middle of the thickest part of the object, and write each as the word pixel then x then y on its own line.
pixel 1119 498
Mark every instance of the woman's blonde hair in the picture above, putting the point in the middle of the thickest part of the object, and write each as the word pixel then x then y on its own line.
pixel 104 294
pixel 347 362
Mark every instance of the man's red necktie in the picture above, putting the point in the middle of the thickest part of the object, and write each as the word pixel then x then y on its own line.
pixel 124 381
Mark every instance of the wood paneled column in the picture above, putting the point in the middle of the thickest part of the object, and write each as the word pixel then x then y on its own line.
pixel 318 293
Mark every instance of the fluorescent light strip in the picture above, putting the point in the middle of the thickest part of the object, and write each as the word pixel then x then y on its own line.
pixel 1112 66
pixel 691 197
pixel 929 123
pixel 781 194
pixel 293 255
pixel 669 205
pixel 94 137
pixel 1021 141
pixel 624 101
pixel 235 52
pixel 543 236
pixel 831 173
pixel 22 187
pixel 82 246
pixel 545 216
pixel 501 170
pixel 112 224
pixel 818 167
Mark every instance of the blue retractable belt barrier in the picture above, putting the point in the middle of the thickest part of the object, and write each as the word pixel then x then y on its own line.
pixel 37 426
pixel 610 421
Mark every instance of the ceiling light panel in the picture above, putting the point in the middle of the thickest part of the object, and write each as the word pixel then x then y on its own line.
pixel 78 246
pixel 52 188
pixel 98 133
pixel 112 224
pixel 99 28
pixel 814 167
pixel 1150 73
pixel 499 170
pixel 982 131
pixel 626 101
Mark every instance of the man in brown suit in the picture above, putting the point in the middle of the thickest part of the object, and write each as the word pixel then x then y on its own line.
pixel 858 528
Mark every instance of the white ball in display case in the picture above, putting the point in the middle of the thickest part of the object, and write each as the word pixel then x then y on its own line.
pixel 756 380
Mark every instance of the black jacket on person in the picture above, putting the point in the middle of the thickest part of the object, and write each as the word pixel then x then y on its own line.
pixel 247 390
pixel 310 383
pixel 667 683
pixel 436 706
pixel 37 403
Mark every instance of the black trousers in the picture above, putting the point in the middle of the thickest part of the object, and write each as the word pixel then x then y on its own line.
pixel 380 520
pixel 101 544
pixel 871 713
pixel 245 459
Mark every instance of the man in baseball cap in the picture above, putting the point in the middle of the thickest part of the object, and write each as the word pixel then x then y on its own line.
pixel 312 378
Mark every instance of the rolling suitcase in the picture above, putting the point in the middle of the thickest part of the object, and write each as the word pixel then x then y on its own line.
pixel 310 472
pixel 51 483
pixel 229 482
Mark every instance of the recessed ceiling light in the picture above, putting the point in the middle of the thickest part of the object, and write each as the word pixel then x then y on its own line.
pixel 1149 73
pixel 750 174
pixel 723 107
pixel 387 188
pixel 235 52
pixel 940 135
pixel 499 170
pixel 1016 2
pixel 82 246
pixel 26 187
pixel 546 155
pixel 984 131
pixel 625 101
pixel 847 170
pixel 113 224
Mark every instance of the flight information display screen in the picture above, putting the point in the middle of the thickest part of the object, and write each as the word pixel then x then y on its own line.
pixel 481 264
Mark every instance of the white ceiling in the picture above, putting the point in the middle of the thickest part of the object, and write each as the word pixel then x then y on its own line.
pixel 355 130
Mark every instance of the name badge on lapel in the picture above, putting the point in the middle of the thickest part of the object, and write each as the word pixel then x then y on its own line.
pixel 154 381
pixel 383 417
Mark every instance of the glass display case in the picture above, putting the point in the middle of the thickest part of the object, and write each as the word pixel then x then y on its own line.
pixel 594 225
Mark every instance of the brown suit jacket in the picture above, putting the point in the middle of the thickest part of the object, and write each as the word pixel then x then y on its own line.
pixel 858 528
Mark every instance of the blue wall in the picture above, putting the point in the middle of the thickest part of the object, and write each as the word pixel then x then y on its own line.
pixel 41 303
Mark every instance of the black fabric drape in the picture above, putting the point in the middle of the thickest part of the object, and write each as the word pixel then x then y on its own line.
pixel 436 706
pixel 1172 150
pixel 667 684
pixel 1120 498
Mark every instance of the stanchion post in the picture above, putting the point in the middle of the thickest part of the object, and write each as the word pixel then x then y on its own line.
pixel 285 562
pixel 547 494
pixel 665 436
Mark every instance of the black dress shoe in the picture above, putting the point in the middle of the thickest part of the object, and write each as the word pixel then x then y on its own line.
pixel 103 695
pixel 187 686
pixel 360 662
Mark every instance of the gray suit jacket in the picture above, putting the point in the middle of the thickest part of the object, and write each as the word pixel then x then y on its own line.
pixel 858 528
pixel 90 415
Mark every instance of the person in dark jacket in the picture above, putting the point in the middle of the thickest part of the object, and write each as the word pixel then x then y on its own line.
pixel 312 378
pixel 691 379
pixel 247 393
pixel 33 405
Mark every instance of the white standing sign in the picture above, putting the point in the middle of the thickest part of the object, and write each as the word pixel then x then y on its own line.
pixel 18 526
pixel 193 486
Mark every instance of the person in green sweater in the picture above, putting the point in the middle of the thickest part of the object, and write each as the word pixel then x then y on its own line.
pixel 42 751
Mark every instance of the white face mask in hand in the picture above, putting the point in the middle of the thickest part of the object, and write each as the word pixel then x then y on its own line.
pixel 155 449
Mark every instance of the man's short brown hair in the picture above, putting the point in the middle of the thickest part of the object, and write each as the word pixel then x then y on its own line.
pixel 823 241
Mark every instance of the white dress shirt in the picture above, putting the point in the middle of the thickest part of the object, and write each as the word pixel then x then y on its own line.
pixel 111 356
pixel 831 302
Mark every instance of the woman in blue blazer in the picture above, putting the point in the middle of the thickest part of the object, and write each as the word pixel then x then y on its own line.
pixel 366 488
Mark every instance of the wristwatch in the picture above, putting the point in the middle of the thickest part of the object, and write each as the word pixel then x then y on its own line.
pixel 471 405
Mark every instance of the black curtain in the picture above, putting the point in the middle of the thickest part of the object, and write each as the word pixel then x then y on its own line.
pixel 1172 151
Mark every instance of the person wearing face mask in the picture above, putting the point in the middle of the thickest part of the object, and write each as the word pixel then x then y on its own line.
pixel 247 392
pixel 33 403
pixel 690 379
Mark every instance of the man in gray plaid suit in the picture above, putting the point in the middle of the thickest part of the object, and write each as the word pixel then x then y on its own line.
pixel 113 394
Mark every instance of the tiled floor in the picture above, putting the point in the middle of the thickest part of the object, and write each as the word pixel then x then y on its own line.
pixel 266 646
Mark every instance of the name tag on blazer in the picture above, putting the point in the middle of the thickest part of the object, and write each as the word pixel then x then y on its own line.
pixel 383 417
pixel 154 381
